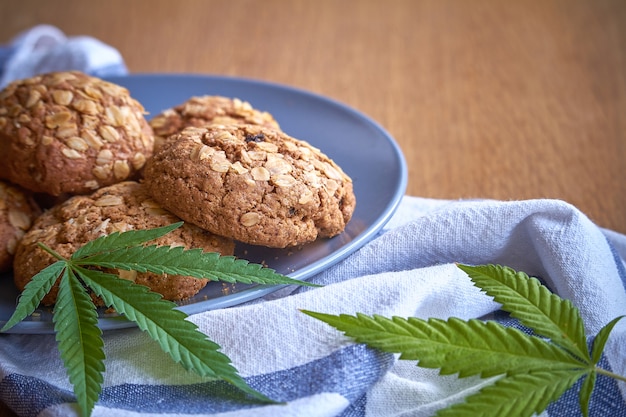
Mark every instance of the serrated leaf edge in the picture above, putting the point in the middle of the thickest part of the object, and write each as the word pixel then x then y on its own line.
pixel 601 338
pixel 453 345
pixel 172 339
pixel 189 262
pixel 531 302
pixel 79 340
pixel 34 291
pixel 117 240
pixel 517 395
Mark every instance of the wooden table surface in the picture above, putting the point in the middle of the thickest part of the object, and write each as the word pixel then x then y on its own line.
pixel 487 98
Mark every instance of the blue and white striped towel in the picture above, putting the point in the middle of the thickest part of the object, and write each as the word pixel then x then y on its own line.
pixel 407 270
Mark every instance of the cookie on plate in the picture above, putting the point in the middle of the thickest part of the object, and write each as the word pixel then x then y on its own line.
pixel 18 210
pixel 252 183
pixel 67 132
pixel 202 110
pixel 119 207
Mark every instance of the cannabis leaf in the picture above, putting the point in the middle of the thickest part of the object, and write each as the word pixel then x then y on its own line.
pixel 534 305
pixel 75 316
pixel 76 327
pixel 529 371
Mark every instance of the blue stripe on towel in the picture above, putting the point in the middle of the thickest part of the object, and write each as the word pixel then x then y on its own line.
pixel 350 372
pixel 605 401
pixel 621 271
pixel 28 396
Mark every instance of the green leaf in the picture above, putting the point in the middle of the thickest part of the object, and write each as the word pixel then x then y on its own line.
pixel 79 340
pixel 178 337
pixel 119 240
pixel 601 339
pixel 529 372
pixel 471 347
pixel 34 292
pixel 520 395
pixel 534 305
pixel 584 395
pixel 189 262
pixel 75 318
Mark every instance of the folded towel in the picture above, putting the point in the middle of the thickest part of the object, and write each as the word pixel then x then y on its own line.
pixel 45 48
pixel 407 270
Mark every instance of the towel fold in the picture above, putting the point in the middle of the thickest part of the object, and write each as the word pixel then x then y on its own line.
pixel 45 48
pixel 407 270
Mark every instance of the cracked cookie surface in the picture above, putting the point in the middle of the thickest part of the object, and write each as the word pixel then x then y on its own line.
pixel 199 111
pixel 116 208
pixel 67 132
pixel 254 184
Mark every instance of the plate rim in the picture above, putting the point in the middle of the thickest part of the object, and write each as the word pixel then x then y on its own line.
pixel 230 300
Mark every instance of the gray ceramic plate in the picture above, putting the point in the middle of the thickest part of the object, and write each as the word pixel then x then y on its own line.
pixel 358 144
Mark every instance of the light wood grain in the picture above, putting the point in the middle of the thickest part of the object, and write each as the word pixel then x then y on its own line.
pixel 487 98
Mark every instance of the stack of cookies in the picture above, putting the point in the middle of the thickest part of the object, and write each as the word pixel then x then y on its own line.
pixel 81 160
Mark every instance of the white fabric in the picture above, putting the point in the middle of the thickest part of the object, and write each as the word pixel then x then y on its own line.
pixel 45 48
pixel 408 270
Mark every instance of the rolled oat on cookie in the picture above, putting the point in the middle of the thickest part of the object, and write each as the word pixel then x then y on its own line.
pixel 199 111
pixel 71 133
pixel 116 208
pixel 18 211
pixel 251 183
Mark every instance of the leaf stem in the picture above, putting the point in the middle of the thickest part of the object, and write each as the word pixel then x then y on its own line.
pixel 611 374
pixel 50 251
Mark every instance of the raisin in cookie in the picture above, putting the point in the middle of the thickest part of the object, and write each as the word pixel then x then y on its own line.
pixel 202 110
pixel 67 132
pixel 18 210
pixel 119 207
pixel 254 184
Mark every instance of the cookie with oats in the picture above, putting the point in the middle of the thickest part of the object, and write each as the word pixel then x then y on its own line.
pixel 116 208
pixel 202 110
pixel 18 210
pixel 251 183
pixel 68 132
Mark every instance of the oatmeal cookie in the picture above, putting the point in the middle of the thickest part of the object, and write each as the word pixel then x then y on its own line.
pixel 18 210
pixel 252 183
pixel 119 207
pixel 67 132
pixel 202 110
